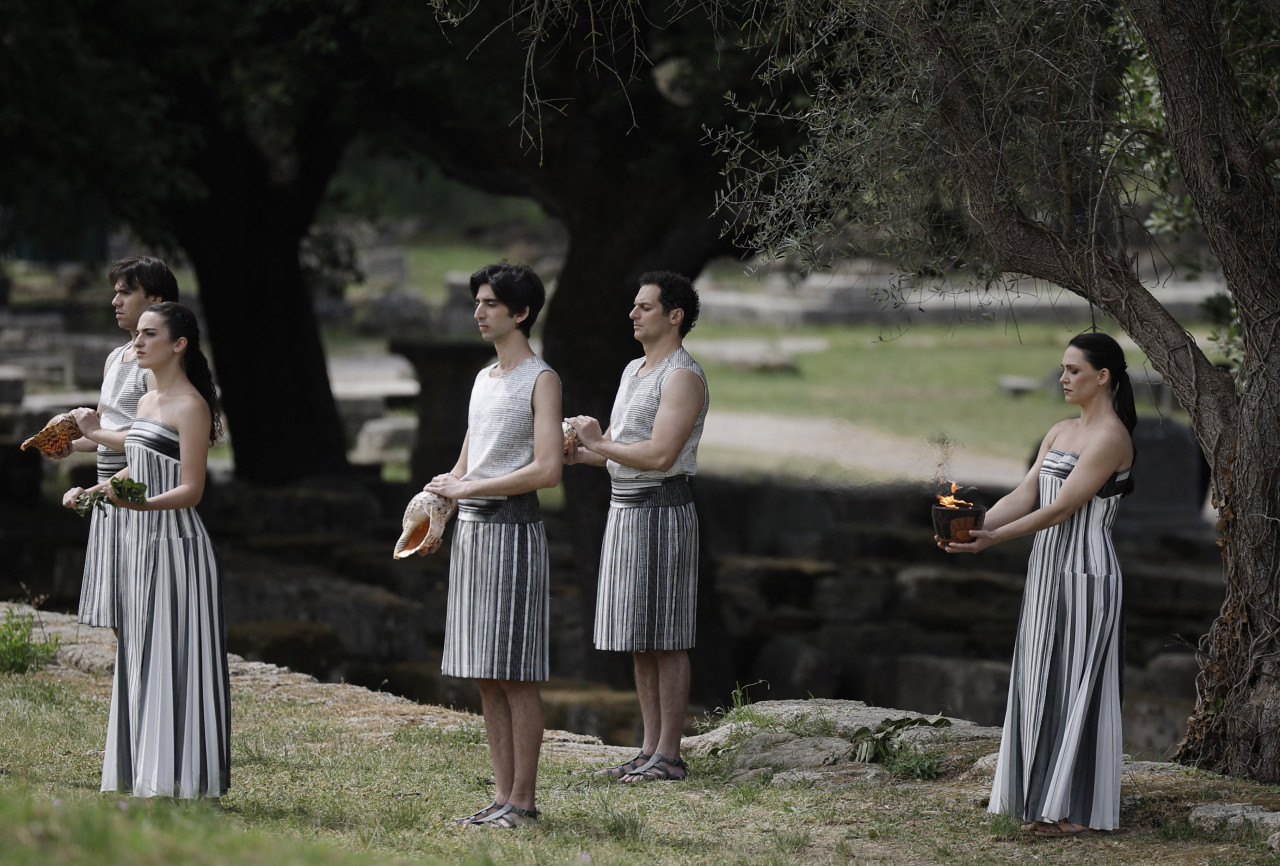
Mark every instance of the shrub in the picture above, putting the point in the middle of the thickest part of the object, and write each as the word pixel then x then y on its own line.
pixel 19 652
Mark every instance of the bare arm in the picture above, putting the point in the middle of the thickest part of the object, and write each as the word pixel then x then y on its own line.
pixel 191 419
pixel 1023 499
pixel 89 421
pixel 682 400
pixel 1100 457
pixel 542 471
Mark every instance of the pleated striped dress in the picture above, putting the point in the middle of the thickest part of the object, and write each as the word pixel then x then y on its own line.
pixel 170 728
pixel 123 384
pixel 648 591
pixel 497 621
pixel 1061 752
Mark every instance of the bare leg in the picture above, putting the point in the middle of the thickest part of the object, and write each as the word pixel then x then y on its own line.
pixel 524 703
pixel 648 691
pixel 497 727
pixel 662 683
pixel 673 684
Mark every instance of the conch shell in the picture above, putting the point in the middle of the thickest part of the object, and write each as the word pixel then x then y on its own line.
pixel 424 521
pixel 570 437
pixel 56 435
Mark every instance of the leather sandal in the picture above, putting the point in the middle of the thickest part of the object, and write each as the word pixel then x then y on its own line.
pixel 653 771
pixel 623 769
pixel 512 817
pixel 481 814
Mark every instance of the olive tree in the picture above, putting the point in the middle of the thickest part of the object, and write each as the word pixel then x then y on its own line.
pixel 990 142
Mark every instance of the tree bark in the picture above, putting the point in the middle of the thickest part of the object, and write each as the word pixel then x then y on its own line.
pixel 1236 725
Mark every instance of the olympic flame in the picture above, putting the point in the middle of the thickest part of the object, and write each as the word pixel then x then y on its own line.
pixel 950 501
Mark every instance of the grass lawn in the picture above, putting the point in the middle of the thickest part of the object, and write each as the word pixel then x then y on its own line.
pixel 309 788
pixel 928 382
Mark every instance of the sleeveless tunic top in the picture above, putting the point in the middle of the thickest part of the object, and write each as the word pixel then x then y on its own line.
pixel 123 384
pixel 500 421
pixel 497 620
pixel 636 406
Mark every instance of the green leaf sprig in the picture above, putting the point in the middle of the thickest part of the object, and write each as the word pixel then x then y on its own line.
pixel 125 488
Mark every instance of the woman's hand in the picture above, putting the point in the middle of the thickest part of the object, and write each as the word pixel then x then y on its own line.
pixel 116 500
pixel 69 498
pixel 981 540
pixel 447 485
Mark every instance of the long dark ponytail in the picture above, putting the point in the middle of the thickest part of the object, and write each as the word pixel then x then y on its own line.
pixel 1104 353
pixel 181 322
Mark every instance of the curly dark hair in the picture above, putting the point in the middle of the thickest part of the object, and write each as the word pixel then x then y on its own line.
pixel 181 322
pixel 675 292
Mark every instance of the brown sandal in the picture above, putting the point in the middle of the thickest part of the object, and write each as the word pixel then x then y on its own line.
pixel 1061 829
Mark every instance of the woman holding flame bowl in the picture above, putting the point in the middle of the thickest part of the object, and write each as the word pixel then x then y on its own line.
pixel 1060 756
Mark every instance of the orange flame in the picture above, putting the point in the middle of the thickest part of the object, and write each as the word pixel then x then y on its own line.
pixel 950 501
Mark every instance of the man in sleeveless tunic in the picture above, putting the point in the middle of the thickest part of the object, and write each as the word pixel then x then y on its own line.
pixel 647 597
pixel 497 622
pixel 137 283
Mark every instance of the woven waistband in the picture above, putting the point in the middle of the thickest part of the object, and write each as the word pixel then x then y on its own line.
pixel 514 509
pixel 651 494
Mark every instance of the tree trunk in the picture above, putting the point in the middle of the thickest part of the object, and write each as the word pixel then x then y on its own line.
pixel 269 360
pixel 270 363
pixel 1236 725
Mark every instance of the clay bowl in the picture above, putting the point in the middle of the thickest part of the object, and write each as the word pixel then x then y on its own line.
pixel 953 524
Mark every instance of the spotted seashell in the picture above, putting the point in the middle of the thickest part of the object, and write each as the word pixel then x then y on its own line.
pixel 56 435
pixel 424 521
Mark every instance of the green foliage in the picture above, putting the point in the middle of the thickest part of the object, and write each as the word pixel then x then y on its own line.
pixel 792 843
pixel 878 171
pixel 157 832
pixel 910 762
pixel 1227 335
pixel 878 744
pixel 125 488
pixel 19 650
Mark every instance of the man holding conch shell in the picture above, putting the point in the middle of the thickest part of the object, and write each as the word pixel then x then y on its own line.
pixel 137 283
pixel 496 626
pixel 647 598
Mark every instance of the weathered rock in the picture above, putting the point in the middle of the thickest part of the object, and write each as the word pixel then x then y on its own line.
pixel 786 751
pixel 986 764
pixel 836 776
pixel 373 624
pixel 1231 816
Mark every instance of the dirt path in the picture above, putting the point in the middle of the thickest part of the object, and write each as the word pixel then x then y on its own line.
pixel 881 456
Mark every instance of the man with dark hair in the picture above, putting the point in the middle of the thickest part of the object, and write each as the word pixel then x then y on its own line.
pixel 497 621
pixel 648 591
pixel 516 286
pixel 137 283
